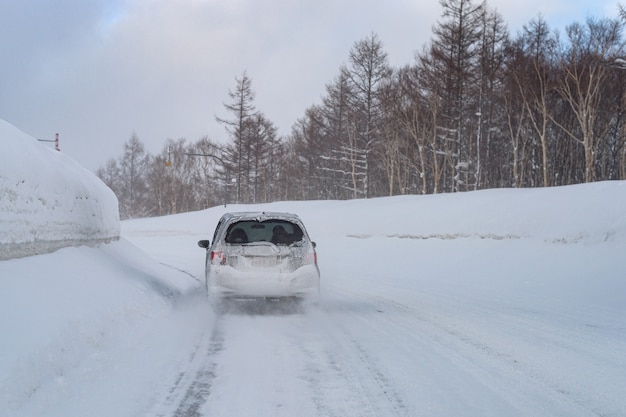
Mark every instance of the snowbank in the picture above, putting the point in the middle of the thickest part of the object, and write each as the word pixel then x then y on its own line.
pixel 584 213
pixel 63 314
pixel 48 201
pixel 59 311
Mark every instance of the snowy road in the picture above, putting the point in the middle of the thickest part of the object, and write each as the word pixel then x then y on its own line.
pixel 406 329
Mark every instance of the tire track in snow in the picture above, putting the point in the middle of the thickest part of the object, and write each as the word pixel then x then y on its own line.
pixel 345 379
pixel 487 366
pixel 193 385
pixel 275 362
pixel 261 368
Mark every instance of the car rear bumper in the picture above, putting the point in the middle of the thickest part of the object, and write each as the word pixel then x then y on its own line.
pixel 227 282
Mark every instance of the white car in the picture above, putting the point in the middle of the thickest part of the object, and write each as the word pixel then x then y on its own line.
pixel 257 255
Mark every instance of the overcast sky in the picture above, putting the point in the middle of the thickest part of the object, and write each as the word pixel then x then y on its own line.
pixel 95 71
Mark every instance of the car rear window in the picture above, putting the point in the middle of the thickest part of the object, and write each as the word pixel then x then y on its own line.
pixel 279 232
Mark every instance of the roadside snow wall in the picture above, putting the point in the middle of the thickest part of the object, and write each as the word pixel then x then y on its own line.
pixel 48 201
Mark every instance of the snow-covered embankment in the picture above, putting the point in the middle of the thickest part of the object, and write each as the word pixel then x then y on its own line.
pixel 69 317
pixel 48 201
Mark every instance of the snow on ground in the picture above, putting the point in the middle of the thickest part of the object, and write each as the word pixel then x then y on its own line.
pixel 499 302
pixel 490 303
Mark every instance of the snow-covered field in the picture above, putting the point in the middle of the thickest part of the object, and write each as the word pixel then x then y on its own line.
pixel 490 303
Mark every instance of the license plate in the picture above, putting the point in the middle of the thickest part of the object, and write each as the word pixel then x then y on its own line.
pixel 263 261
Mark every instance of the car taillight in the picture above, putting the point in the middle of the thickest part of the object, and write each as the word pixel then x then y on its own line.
pixel 218 258
pixel 310 258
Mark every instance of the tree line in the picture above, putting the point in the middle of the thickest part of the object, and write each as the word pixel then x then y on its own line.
pixel 478 108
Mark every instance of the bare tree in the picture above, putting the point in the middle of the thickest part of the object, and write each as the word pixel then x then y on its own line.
pixel 241 108
pixel 430 131
pixel 133 166
pixel 405 148
pixel 333 125
pixel 309 136
pixel 392 143
pixel 488 144
pixel 454 51
pixel 584 73
pixel 534 79
pixel 110 174
pixel 367 70
pixel 158 178
pixel 260 134
pixel 205 161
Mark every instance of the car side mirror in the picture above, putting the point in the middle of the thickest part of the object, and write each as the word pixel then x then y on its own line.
pixel 314 245
pixel 204 244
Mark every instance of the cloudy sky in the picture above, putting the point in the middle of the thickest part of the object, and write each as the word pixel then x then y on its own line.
pixel 95 71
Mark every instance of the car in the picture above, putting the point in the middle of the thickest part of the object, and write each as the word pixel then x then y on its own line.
pixel 261 255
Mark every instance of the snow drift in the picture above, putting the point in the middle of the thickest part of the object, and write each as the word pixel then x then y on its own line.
pixel 49 201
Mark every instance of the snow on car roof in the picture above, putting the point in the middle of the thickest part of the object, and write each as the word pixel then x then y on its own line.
pixel 261 215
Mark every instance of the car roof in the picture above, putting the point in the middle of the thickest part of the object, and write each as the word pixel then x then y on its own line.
pixel 261 216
